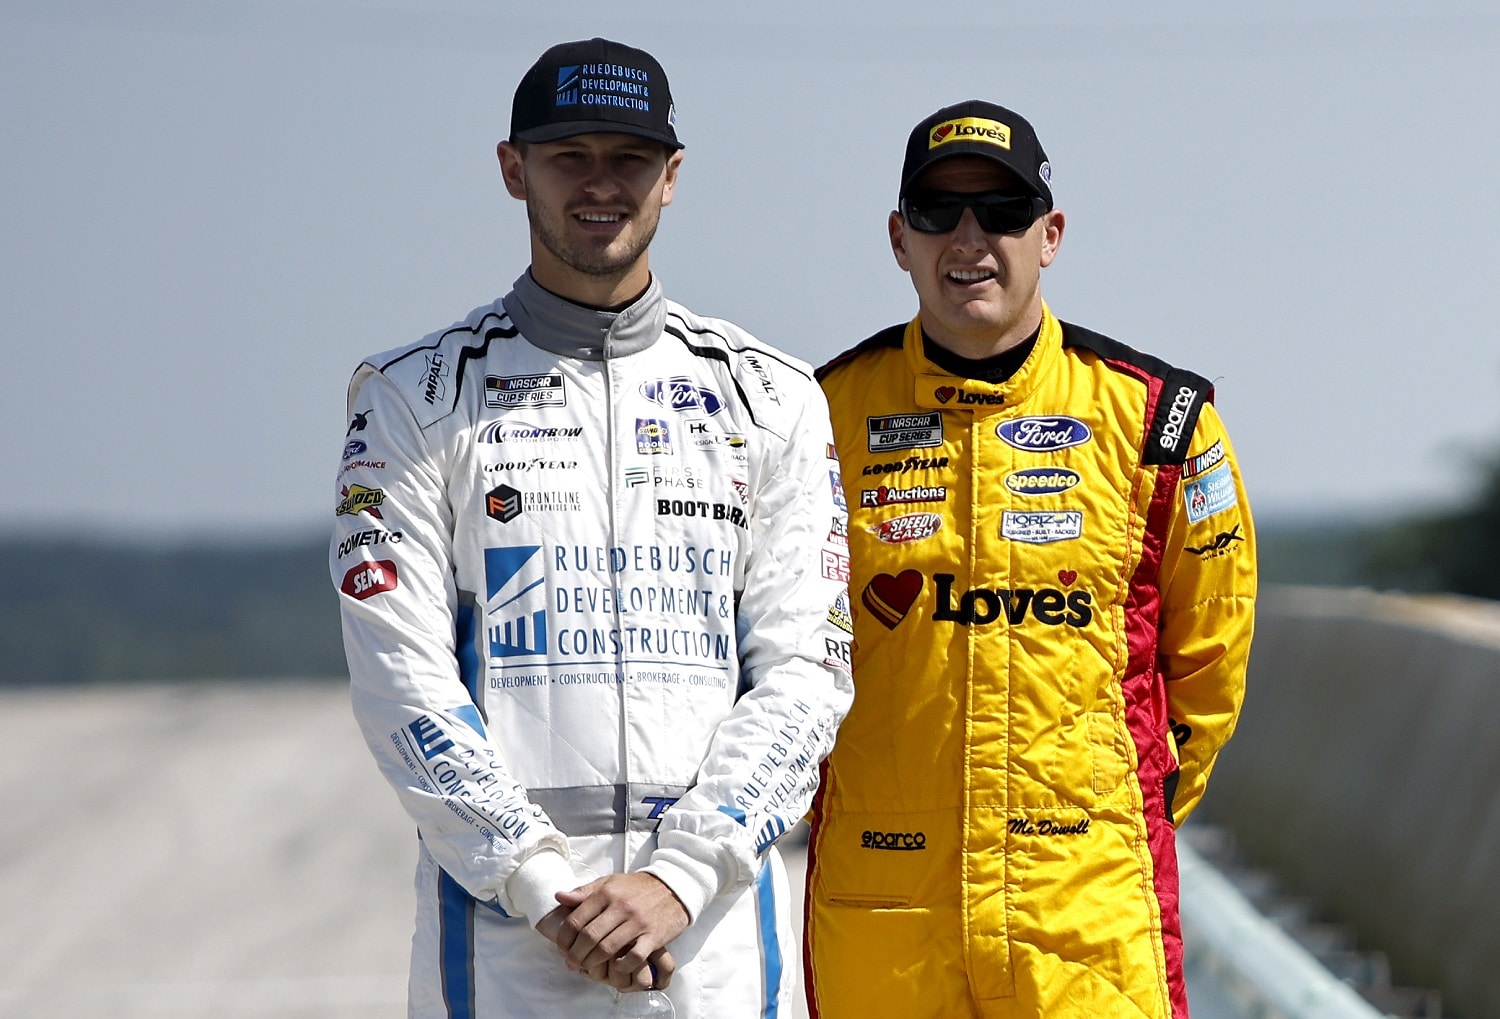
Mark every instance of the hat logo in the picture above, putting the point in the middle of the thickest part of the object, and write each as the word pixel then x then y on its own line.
pixel 970 129
pixel 568 85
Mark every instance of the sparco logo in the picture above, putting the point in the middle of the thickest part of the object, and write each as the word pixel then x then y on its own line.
pixel 681 394
pixel 1171 435
pixel 433 386
pixel 1038 434
pixel 908 841
pixel 981 605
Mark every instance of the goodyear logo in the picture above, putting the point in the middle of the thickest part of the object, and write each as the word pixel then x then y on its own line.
pixel 970 129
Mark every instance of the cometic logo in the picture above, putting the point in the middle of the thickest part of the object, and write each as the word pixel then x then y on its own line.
pixel 363 538
pixel 970 129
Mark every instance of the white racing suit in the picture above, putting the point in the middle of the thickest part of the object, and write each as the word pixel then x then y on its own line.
pixel 592 571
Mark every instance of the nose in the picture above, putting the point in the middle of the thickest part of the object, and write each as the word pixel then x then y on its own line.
pixel 968 236
pixel 601 181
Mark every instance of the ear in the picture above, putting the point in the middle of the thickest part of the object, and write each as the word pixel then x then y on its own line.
pixel 897 227
pixel 512 169
pixel 673 162
pixel 1053 222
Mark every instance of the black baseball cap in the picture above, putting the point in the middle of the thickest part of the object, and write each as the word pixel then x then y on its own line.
pixel 978 128
pixel 590 86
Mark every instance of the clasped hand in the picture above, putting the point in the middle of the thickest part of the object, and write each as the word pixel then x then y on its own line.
pixel 615 930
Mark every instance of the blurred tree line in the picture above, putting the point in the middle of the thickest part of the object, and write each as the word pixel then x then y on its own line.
pixel 76 612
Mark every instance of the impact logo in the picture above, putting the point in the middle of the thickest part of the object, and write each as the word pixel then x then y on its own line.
pixel 904 431
pixel 369 579
pixel 970 129
pixel 908 528
pixel 359 499
pixel 1042 480
pixel 681 394
pixel 516 613
pixel 525 390
pixel 433 386
pixel 890 598
pixel 1043 434
pixel 1041 528
pixel 652 436
pixel 980 605
pixel 568 81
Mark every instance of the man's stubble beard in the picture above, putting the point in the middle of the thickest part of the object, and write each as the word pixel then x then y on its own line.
pixel 591 262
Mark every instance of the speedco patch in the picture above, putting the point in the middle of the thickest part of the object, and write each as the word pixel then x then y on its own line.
pixel 1041 480
pixel 904 431
pixel 911 527
pixel 1041 528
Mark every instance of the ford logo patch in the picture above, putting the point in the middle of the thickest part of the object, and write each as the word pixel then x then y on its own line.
pixel 680 394
pixel 1039 434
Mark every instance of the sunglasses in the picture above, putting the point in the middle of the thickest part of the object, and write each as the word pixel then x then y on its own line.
pixel 998 212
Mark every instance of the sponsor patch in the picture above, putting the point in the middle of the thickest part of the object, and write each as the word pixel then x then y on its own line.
pixel 1222 544
pixel 504 503
pixel 354 447
pixel 887 496
pixel 354 465
pixel 1043 434
pixel 683 395
pixel 359 499
pixel 545 390
pixel 903 841
pixel 839 614
pixel 1046 826
pixel 363 539
pixel 980 605
pixel 890 598
pixel 1042 480
pixel 970 129
pixel 963 397
pixel 838 531
pixel 652 436
pixel 904 431
pixel 1209 494
pixel 911 463
pixel 836 482
pixel 702 509
pixel 515 584
pixel 360 421
pixel 503 431
pixel 1209 458
pixel 1182 402
pixel 727 444
pixel 835 566
pixel 763 374
pixel 369 579
pixel 1041 527
pixel 908 528
pixel 434 379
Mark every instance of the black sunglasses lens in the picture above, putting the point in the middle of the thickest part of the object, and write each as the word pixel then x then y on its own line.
pixel 939 212
pixel 1007 215
pixel 932 215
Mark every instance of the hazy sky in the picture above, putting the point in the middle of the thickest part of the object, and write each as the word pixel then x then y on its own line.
pixel 211 210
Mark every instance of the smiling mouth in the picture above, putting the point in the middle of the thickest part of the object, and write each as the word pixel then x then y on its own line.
pixel 967 276
pixel 600 217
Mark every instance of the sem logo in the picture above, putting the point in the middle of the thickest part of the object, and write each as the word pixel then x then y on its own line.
pixel 1042 434
pixel 681 394
pixel 369 579
pixel 1042 480
pixel 516 577
pixel 981 605
pixel 525 390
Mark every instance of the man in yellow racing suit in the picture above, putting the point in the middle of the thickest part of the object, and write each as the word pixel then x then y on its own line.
pixel 1052 591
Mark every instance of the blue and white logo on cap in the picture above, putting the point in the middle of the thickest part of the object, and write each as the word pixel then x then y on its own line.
pixel 568 82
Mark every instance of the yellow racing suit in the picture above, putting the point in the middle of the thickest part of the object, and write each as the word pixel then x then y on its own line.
pixel 1052 589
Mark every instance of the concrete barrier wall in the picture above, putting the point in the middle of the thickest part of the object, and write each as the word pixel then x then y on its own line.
pixel 1366 773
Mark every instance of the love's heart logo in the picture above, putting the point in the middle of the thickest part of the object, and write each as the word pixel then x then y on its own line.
pixel 941 133
pixel 945 393
pixel 889 598
pixel 1067 576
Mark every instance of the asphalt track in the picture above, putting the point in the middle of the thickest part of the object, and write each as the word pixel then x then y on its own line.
pixel 201 850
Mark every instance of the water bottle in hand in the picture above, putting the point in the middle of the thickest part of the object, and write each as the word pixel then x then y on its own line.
pixel 652 1004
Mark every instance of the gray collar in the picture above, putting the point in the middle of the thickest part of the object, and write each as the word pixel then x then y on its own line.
pixel 575 330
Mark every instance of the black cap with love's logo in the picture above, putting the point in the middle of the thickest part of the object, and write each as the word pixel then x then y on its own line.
pixel 594 86
pixel 978 128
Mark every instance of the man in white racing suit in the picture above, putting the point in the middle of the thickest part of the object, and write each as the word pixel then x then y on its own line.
pixel 592 556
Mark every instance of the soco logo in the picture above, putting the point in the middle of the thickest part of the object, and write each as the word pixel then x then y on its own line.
pixel 681 394
pixel 1039 434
